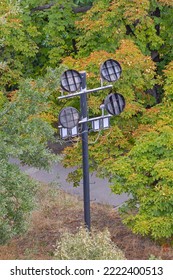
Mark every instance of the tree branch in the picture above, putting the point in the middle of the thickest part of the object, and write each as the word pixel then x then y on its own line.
pixel 81 9
pixel 48 6
pixel 42 8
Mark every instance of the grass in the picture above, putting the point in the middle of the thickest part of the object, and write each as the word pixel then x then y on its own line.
pixel 58 212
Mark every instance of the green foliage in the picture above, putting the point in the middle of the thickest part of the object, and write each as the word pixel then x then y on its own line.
pixel 102 28
pixel 136 154
pixel 23 135
pixel 2 100
pixel 32 39
pixel 168 86
pixel 147 173
pixel 23 130
pixel 58 37
pixel 16 199
pixel 36 36
pixel 138 76
pixel 87 246
pixel 147 23
pixel 17 45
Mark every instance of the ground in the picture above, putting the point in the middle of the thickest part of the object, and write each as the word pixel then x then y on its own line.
pixel 57 211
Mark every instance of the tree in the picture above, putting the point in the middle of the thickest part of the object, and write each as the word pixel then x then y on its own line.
pixel 146 171
pixel 136 154
pixel 17 46
pixel 30 41
pixel 34 35
pixel 24 135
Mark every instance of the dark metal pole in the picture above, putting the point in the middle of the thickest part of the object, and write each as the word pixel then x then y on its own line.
pixel 85 154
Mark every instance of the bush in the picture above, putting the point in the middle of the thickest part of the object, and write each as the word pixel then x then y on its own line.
pixel 23 135
pixel 16 200
pixel 87 246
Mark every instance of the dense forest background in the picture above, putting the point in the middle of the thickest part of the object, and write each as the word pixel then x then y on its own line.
pixel 38 41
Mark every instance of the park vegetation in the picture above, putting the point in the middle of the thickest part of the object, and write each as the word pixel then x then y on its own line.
pixel 38 41
pixel 84 246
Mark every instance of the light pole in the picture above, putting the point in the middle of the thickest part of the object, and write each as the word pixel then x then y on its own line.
pixel 71 82
pixel 85 155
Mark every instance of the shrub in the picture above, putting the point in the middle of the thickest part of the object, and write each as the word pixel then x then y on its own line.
pixel 87 246
pixel 23 135
pixel 16 200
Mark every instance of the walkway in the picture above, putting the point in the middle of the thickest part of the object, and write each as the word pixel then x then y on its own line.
pixel 99 188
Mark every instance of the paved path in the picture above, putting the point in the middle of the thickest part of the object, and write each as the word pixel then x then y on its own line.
pixel 99 188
